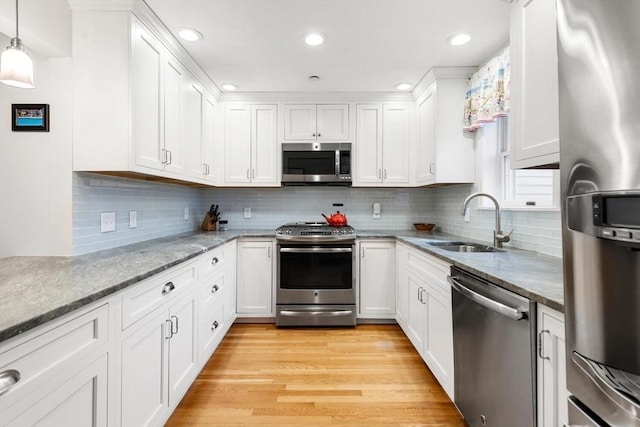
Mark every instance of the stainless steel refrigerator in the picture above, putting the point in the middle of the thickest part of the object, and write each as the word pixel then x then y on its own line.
pixel 599 81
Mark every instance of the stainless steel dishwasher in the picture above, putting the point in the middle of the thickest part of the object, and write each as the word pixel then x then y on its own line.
pixel 494 353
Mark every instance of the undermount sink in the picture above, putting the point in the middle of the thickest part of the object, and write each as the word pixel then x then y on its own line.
pixel 464 247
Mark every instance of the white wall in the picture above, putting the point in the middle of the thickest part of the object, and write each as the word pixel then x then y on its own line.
pixel 35 177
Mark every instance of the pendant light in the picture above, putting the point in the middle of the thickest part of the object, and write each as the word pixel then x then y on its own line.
pixel 16 67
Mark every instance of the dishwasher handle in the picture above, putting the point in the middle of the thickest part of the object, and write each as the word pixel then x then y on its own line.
pixel 496 306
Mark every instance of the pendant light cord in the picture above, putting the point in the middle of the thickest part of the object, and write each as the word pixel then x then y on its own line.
pixel 17 35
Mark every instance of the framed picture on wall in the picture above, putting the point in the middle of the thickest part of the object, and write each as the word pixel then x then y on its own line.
pixel 30 117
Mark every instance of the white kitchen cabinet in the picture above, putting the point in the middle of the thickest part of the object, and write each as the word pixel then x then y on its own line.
pixel 377 276
pixel 402 290
pixel 321 122
pixel 198 130
pixel 62 369
pixel 552 383
pixel 382 145
pixel 534 116
pixel 255 278
pixel 251 145
pixel 428 322
pixel 140 119
pixel 159 354
pixel 445 154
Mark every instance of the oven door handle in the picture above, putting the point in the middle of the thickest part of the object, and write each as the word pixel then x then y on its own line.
pixel 316 250
pixel 484 301
pixel 316 313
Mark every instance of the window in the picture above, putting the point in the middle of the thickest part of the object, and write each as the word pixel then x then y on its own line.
pixel 517 188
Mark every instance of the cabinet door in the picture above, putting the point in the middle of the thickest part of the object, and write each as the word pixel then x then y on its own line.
pixel 333 122
pixel 193 127
pixel 438 344
pixel 255 278
pixel 80 401
pixel 174 136
pixel 377 280
pixel 426 139
pixel 416 312
pixel 183 351
pixel 299 122
pixel 552 385
pixel 237 144
pixel 144 392
pixel 146 98
pixel 368 147
pixel 264 136
pixel 208 142
pixel 533 120
pixel 402 286
pixel 395 144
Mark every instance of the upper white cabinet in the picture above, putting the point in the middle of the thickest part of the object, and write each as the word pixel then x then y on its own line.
pixel 251 145
pixel 382 145
pixel 445 154
pixel 533 119
pixel 377 291
pixel 322 122
pixel 148 114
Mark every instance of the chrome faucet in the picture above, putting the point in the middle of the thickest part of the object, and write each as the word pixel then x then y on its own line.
pixel 498 237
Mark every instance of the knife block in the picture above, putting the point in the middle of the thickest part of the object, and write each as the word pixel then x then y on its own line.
pixel 208 224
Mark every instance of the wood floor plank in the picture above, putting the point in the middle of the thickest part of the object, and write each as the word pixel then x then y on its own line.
pixel 264 376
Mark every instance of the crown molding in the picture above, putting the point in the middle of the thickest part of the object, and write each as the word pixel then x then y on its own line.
pixel 316 97
pixel 436 73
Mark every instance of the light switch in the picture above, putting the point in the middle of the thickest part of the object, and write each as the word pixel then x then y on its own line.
pixel 107 222
pixel 133 219
pixel 376 210
pixel 247 213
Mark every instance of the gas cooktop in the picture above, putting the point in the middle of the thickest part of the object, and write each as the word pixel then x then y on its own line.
pixel 314 231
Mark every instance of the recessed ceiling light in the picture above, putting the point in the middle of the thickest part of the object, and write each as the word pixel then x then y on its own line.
pixel 189 34
pixel 229 87
pixel 459 39
pixel 314 39
pixel 403 86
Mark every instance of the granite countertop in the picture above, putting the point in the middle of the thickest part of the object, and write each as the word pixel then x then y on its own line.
pixel 38 289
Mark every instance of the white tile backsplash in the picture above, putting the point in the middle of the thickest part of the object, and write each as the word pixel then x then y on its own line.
pixel 160 210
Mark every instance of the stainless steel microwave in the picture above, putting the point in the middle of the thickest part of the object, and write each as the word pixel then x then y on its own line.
pixel 316 163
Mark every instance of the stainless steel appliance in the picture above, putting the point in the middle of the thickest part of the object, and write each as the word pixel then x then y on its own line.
pixel 316 284
pixel 316 163
pixel 599 59
pixel 493 349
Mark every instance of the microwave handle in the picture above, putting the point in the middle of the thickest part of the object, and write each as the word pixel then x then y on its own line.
pixel 337 169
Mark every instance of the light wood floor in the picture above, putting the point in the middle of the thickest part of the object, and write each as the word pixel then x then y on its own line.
pixel 264 376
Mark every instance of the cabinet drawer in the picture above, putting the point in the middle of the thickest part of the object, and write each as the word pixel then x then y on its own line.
pixel 211 331
pixel 434 268
pixel 212 290
pixel 40 359
pixel 212 261
pixel 151 293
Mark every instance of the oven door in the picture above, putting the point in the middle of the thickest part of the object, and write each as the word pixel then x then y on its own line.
pixel 315 274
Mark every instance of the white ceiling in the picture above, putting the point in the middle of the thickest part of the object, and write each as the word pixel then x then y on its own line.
pixel 371 44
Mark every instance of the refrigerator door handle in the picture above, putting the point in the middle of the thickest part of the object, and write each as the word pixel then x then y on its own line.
pixel 592 369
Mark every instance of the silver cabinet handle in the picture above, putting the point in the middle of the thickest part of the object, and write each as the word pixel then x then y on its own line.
pixel 268 251
pixel 248 175
pixel 214 325
pixel 253 173
pixel 164 155
pixel 431 168
pixel 214 289
pixel 169 325
pixel 540 338
pixel 420 294
pixel 384 175
pixel 168 287
pixel 176 324
pixel 204 169
pixel 8 379
pixel 379 173
pixel 362 252
pixel 170 157
pixel 214 260
pixel 484 301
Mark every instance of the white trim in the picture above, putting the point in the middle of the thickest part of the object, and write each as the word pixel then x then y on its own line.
pixel 420 90
pixel 315 97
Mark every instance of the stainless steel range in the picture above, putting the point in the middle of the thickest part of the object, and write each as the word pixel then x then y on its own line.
pixel 316 284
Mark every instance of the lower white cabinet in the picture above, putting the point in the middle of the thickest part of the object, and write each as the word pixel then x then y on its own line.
pixel 427 320
pixel 402 292
pixel 377 273
pixel 60 369
pixel 158 362
pixel 552 383
pixel 255 278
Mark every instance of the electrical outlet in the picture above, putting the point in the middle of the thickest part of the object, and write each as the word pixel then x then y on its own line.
pixel 107 222
pixel 186 214
pixel 133 219
pixel 247 213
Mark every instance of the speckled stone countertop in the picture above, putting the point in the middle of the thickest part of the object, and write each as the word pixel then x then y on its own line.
pixel 35 290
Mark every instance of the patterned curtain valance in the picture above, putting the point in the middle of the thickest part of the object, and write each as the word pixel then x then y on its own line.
pixel 488 93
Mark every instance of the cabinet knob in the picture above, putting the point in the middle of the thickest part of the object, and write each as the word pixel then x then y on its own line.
pixel 313 134
pixel 214 325
pixel 319 135
pixel 214 289
pixel 214 260
pixel 8 379
pixel 168 287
